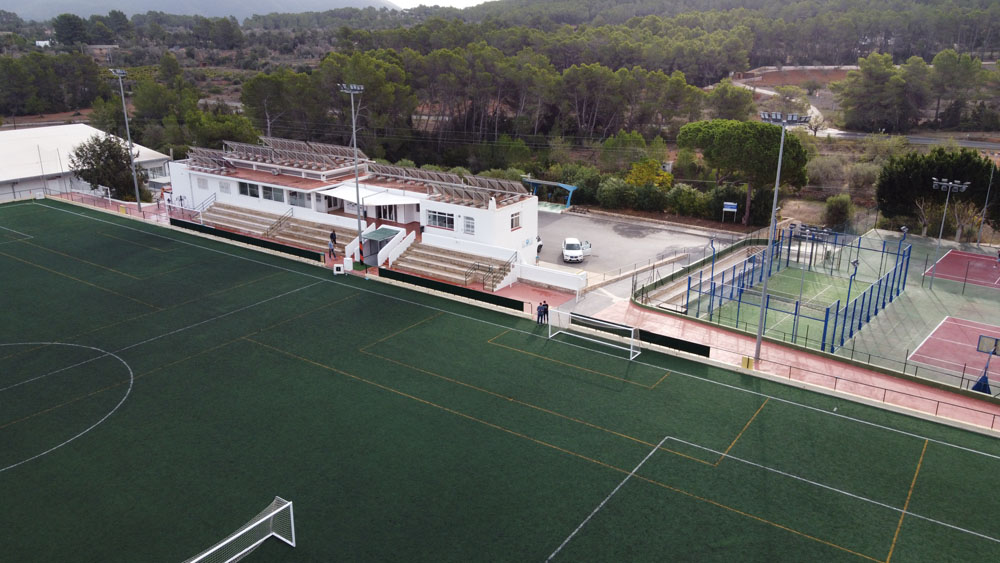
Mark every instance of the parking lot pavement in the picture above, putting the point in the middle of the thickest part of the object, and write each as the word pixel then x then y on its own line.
pixel 616 242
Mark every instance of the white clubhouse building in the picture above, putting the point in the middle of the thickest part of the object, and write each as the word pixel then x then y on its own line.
pixel 316 182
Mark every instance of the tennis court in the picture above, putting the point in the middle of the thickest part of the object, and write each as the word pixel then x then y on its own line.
pixel 952 346
pixel 819 290
pixel 967 267
pixel 158 389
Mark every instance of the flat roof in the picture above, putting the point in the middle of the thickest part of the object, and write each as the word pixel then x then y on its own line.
pixel 379 234
pixel 45 151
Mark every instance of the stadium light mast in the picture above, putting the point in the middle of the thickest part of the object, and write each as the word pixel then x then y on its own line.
pixel 947 187
pixel 131 159
pixel 775 118
pixel 353 89
pixel 982 218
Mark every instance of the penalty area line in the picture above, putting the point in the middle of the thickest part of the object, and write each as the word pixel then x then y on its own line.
pixel 606 499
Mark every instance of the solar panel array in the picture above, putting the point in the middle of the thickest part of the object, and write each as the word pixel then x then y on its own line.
pixel 208 160
pixel 292 153
pixel 474 190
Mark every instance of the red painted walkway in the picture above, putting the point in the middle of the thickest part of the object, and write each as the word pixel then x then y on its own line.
pixel 730 347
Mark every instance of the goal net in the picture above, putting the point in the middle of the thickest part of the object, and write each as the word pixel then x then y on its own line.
pixel 616 336
pixel 276 520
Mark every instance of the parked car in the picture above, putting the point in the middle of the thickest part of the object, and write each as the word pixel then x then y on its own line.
pixel 573 250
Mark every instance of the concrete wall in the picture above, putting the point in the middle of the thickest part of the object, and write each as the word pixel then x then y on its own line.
pixel 493 233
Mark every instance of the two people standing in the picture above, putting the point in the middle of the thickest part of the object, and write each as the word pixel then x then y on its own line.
pixel 543 312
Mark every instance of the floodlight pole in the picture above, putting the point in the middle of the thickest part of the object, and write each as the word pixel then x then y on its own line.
pixel 131 159
pixel 353 89
pixel 775 118
pixel 982 218
pixel 947 187
pixel 712 243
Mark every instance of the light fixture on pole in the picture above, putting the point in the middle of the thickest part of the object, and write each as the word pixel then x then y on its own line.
pixel 775 118
pixel 947 187
pixel 847 301
pixel 982 218
pixel 131 159
pixel 353 89
pixel 802 283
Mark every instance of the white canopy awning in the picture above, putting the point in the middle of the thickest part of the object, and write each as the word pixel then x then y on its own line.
pixel 369 196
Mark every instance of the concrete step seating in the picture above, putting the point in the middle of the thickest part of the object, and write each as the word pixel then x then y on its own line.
pixel 240 219
pixel 294 232
pixel 446 265
pixel 312 235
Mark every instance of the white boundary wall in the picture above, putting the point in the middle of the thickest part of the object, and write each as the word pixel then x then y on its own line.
pixel 573 281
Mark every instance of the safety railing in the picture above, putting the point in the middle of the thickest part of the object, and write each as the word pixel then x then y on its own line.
pixel 278 223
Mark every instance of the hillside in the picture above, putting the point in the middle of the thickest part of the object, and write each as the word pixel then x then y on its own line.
pixel 40 11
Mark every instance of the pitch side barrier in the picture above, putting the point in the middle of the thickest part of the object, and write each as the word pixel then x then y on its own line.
pixel 246 239
pixel 458 290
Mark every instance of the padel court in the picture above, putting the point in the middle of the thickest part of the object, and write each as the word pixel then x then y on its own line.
pixel 952 346
pixel 157 389
pixel 968 267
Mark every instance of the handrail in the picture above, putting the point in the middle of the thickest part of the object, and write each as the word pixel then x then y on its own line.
pixel 279 222
pixel 201 207
pixel 476 267
pixel 500 271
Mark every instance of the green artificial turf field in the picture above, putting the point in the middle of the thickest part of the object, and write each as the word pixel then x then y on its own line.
pixel 158 389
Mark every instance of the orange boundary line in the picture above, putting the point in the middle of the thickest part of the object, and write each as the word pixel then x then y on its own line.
pixel 87 262
pixel 136 243
pixel 148 313
pixel 173 363
pixel 906 505
pixel 738 436
pixel 563 450
pixel 58 273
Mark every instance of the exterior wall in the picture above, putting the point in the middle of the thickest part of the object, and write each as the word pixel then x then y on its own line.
pixel 492 236
pixel 185 182
pixel 492 229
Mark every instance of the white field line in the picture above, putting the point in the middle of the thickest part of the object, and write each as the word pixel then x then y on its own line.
pixel 692 376
pixel 606 499
pixel 929 335
pixel 104 354
pixel 836 490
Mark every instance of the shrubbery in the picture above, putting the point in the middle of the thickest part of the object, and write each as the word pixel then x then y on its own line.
pixel 839 210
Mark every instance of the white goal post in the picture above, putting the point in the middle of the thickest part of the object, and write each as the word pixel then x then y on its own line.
pixel 276 520
pixel 606 333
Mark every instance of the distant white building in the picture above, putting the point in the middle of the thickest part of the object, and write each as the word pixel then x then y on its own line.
pixel 37 159
pixel 43 44
pixel 314 181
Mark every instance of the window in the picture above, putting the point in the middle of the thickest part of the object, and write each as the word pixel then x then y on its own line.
pixel 515 221
pixel 203 183
pixel 441 220
pixel 470 226
pixel 250 190
pixel 274 194
pixel 224 187
pixel 298 199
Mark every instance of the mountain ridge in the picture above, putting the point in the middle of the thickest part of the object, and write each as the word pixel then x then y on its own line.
pixel 41 11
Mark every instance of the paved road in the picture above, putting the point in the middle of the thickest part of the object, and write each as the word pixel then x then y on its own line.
pixel 912 139
pixel 616 242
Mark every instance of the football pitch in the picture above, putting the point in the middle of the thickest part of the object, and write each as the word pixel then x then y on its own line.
pixel 157 389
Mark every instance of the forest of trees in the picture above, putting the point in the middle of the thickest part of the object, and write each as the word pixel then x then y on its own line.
pixel 513 83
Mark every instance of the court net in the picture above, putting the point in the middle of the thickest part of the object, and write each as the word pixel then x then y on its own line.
pixel 612 335
pixel 276 520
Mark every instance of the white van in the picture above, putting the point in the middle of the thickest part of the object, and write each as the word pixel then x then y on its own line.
pixel 573 250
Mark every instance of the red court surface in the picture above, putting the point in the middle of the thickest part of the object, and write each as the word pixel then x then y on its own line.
pixel 798 365
pixel 952 346
pixel 969 267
